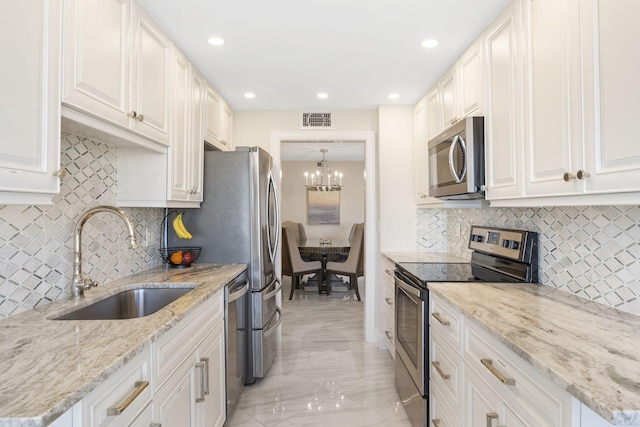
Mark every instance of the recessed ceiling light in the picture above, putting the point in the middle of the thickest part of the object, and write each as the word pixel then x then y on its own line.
pixel 429 43
pixel 394 95
pixel 216 41
pixel 323 95
pixel 250 95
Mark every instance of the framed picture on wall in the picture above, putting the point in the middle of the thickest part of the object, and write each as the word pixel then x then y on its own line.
pixel 323 207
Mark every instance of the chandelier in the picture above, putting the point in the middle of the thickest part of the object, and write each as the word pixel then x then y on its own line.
pixel 323 179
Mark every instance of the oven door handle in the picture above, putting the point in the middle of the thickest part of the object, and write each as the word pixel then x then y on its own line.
pixel 407 288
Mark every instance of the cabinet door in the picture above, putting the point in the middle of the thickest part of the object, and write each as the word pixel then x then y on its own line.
pixel 503 115
pixel 211 355
pixel 420 158
pixel 448 101
pixel 30 111
pixel 552 97
pixel 481 403
pixel 226 126
pixel 470 77
pixel 611 67
pixel 212 132
pixel 175 403
pixel 150 78
pixel 434 116
pixel 195 144
pixel 96 58
pixel 180 128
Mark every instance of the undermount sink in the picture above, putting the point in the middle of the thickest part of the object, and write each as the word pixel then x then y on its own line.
pixel 130 304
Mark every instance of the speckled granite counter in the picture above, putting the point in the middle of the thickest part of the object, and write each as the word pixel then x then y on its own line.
pixel 588 349
pixel 423 257
pixel 49 365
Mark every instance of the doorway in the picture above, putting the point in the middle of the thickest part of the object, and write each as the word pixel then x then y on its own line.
pixel 367 138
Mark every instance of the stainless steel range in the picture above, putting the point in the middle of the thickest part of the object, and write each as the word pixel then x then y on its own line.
pixel 499 255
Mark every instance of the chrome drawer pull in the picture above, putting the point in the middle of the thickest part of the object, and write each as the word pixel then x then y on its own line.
pixel 488 363
pixel 140 386
pixel 440 372
pixel 389 301
pixel 439 318
pixel 205 360
pixel 389 335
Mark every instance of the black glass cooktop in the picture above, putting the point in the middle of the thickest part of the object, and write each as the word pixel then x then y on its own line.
pixel 439 272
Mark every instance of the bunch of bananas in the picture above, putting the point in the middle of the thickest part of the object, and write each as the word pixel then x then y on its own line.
pixel 179 227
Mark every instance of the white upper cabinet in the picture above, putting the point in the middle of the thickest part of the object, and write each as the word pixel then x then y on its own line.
pixel 470 67
pixel 421 154
pixel 553 137
pixel 434 113
pixel 219 121
pixel 503 106
pixel 611 66
pixel 447 86
pixel 30 107
pixel 115 68
pixel 150 80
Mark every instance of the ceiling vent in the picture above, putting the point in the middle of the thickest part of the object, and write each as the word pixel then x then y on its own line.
pixel 317 121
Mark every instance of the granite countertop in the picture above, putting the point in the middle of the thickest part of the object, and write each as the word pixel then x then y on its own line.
pixel 49 365
pixel 423 257
pixel 588 349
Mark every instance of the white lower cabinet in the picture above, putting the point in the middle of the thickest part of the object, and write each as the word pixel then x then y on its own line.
pixel 389 316
pixel 177 381
pixel 483 383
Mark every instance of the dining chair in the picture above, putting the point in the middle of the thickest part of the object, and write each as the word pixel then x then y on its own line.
pixel 292 263
pixel 354 265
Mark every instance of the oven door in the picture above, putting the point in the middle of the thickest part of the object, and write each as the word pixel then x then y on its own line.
pixel 411 331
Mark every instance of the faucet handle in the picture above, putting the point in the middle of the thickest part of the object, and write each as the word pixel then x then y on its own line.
pixel 88 283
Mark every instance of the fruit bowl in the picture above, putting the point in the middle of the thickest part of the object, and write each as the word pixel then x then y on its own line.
pixel 180 256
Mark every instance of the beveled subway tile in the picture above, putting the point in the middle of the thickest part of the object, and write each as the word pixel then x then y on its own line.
pixel 324 373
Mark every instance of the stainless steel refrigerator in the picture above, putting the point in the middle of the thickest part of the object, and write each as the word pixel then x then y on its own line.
pixel 238 223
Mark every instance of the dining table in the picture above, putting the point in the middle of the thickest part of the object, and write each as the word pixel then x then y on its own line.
pixel 323 249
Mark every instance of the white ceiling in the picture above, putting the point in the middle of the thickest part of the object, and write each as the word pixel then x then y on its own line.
pixel 357 51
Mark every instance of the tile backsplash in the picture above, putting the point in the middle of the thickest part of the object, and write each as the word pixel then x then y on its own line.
pixel 36 242
pixel 593 251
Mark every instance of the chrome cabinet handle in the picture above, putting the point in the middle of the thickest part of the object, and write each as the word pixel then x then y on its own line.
pixel 568 176
pixel 389 335
pixel 435 422
pixel 490 417
pixel 205 360
pixel 488 363
pixel 155 425
pixel 440 372
pixel 439 318
pixel 200 398
pixel 388 271
pixel 140 386
pixel 388 301
pixel 583 174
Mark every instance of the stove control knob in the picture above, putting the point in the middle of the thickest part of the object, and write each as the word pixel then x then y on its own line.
pixel 514 245
pixel 505 243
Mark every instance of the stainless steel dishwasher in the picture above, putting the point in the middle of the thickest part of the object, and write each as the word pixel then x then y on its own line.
pixel 236 337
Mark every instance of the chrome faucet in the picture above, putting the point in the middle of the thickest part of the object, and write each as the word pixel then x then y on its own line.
pixel 79 284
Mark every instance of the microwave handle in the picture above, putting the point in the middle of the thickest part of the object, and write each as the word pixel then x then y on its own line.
pixel 458 140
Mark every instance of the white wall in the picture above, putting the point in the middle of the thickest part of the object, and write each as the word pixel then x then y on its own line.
pixel 254 127
pixel 352 198
pixel 396 209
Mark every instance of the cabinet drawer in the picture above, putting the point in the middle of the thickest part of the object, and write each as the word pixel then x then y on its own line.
pixel 445 367
pixel 175 346
pixel 118 389
pixel 520 384
pixel 439 414
pixel 446 320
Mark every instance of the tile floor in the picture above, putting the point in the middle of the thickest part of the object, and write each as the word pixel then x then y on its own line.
pixel 324 373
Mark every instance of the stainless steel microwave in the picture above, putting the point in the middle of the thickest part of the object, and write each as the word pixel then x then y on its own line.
pixel 456 161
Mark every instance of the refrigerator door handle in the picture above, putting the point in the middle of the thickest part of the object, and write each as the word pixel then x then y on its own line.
pixel 273 244
pixel 271 294
pixel 269 329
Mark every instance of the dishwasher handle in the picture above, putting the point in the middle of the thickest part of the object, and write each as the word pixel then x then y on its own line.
pixel 238 289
